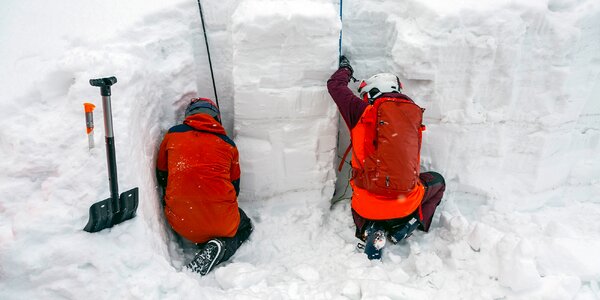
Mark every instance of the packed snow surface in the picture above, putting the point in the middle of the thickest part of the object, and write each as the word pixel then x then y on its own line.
pixel 512 97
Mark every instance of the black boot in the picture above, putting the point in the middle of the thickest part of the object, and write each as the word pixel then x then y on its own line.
pixel 375 241
pixel 404 231
pixel 210 256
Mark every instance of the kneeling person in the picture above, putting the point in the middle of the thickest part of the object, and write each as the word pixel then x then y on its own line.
pixel 391 198
pixel 198 165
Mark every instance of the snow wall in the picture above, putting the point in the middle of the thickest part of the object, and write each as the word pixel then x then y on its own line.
pixel 511 90
pixel 50 178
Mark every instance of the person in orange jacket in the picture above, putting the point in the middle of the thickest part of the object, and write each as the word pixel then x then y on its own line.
pixel 377 216
pixel 198 168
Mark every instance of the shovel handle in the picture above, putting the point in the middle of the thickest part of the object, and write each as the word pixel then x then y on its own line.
pixel 104 84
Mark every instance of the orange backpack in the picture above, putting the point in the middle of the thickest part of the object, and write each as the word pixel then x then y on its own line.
pixel 392 147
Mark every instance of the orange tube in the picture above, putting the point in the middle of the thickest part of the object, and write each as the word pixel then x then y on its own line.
pixel 88 107
pixel 89 122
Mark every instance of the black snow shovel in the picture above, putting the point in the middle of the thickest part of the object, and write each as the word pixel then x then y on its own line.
pixel 116 209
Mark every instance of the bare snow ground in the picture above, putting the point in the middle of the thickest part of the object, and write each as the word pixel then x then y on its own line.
pixel 488 240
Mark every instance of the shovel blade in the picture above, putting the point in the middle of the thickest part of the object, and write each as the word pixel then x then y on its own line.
pixel 100 216
pixel 105 214
pixel 128 203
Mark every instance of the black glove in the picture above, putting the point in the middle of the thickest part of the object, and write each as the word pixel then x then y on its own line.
pixel 345 63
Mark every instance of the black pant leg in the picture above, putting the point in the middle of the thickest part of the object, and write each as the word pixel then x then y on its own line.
pixel 231 244
pixel 435 186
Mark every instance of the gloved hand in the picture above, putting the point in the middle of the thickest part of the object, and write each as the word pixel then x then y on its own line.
pixel 345 63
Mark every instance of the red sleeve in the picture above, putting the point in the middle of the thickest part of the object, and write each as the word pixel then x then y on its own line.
pixel 350 106
pixel 235 171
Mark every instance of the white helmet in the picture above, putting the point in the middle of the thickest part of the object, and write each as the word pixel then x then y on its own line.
pixel 379 84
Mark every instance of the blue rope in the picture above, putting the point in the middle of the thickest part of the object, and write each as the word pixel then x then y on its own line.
pixel 341 21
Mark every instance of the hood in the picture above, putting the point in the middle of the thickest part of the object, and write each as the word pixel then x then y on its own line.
pixel 204 122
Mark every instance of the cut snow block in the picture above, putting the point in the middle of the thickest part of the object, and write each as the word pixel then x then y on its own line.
pixel 587 142
pixel 285 122
pixel 539 160
pixel 475 154
pixel 284 44
pixel 292 102
pixel 278 159
pixel 515 159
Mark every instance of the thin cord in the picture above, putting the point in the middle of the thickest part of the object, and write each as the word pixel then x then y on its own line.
pixel 341 30
pixel 212 76
pixel 333 201
pixel 343 196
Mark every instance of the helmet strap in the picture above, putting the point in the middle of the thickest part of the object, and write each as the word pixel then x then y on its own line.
pixel 373 94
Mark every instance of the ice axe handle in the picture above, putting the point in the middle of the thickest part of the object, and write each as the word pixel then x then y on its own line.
pixel 104 84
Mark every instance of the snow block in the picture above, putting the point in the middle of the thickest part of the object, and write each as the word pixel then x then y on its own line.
pixel 285 123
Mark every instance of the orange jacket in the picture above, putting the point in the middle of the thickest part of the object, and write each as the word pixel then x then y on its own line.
pixel 372 206
pixel 200 166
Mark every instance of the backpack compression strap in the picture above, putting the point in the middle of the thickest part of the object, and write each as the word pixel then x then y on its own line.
pixel 344 157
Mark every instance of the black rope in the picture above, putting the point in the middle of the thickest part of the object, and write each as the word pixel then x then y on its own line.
pixel 212 76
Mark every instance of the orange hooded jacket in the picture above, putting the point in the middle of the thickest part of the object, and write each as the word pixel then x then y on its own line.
pixel 199 165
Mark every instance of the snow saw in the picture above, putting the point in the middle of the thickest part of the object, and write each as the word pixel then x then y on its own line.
pixel 116 209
